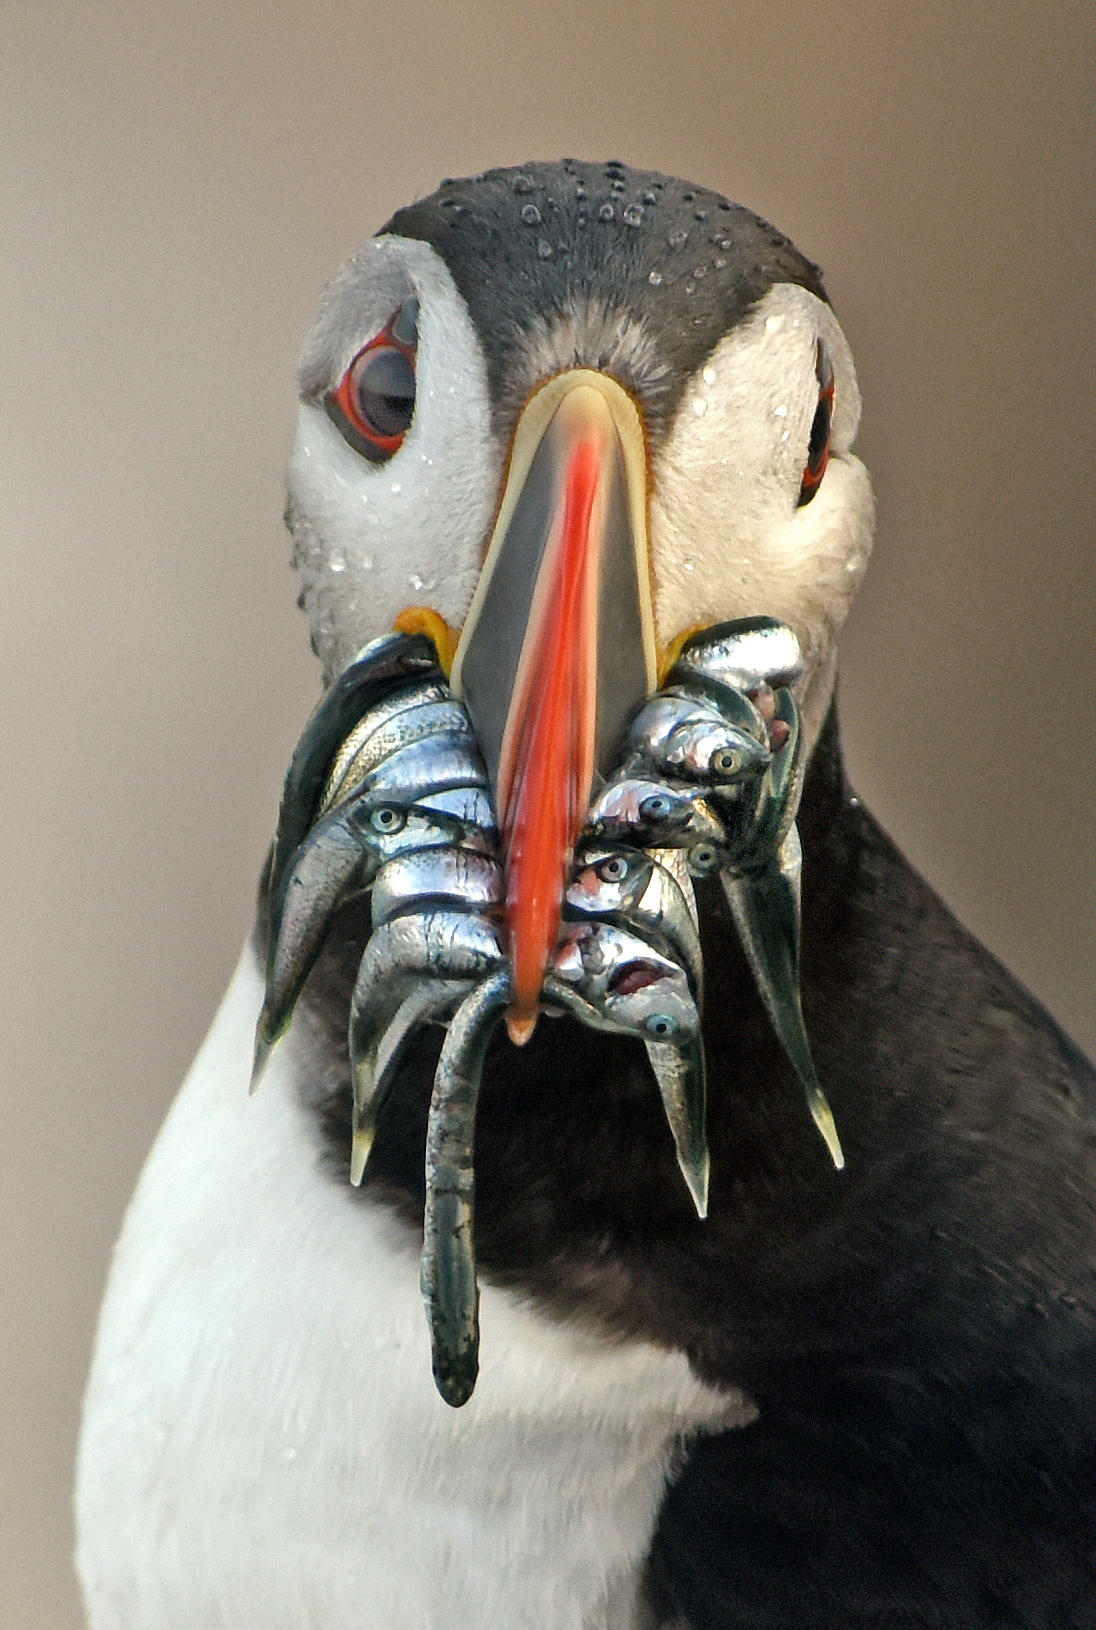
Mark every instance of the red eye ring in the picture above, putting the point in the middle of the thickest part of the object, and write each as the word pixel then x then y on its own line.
pixel 373 403
pixel 818 448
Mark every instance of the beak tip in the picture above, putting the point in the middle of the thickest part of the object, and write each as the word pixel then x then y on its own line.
pixel 520 1025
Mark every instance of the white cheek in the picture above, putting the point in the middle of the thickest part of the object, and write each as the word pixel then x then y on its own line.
pixel 727 538
pixel 371 540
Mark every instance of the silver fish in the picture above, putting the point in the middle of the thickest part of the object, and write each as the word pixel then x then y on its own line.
pixel 623 983
pixel 679 1069
pixel 716 754
pixel 681 736
pixel 743 654
pixel 472 810
pixel 765 905
pixel 448 1274
pixel 611 979
pixel 392 666
pixel 438 876
pixel 616 882
pixel 397 723
pixel 756 828
pixel 451 759
pixel 447 948
pixel 344 851
pixel 651 815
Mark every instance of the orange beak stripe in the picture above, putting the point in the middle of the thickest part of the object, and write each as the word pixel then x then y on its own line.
pixel 547 763
pixel 558 648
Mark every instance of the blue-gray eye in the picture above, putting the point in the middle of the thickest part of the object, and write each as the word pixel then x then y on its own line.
pixel 613 869
pixel 375 400
pixel 388 818
pixel 381 394
pixel 656 807
pixel 702 859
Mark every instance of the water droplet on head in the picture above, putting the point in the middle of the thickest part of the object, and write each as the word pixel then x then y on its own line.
pixel 580 191
pixel 633 215
pixel 782 411
pixel 690 288
pixel 523 183
pixel 415 582
pixel 544 249
pixel 700 406
pixel 337 562
pixel 709 376
pixel 606 212
pixel 678 239
pixel 701 214
pixel 773 324
pixel 618 186
pixel 530 214
pixel 650 198
pixel 719 263
pixel 654 278
pixel 700 271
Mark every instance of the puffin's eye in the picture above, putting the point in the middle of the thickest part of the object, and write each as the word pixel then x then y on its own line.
pixel 818 450
pixel 375 398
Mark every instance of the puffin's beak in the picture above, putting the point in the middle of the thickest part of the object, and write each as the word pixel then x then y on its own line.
pixel 558 649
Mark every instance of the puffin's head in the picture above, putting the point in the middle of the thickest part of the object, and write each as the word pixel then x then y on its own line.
pixel 570 413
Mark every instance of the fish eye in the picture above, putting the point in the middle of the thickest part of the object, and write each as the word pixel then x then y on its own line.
pixel 656 807
pixel 613 869
pixel 374 402
pixel 703 858
pixel 661 1026
pixel 388 818
pixel 726 761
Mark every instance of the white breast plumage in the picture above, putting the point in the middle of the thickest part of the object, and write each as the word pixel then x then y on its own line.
pixel 262 1357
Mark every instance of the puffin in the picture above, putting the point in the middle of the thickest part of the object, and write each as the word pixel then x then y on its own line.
pixel 853 1395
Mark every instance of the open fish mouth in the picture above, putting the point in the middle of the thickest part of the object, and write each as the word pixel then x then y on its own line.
pixel 389 793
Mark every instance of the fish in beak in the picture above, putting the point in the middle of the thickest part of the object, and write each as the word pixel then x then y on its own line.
pixel 558 650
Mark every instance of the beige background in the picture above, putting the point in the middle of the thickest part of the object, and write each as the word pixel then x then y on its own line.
pixel 176 183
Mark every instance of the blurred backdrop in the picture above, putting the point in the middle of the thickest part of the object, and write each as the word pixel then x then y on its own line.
pixel 177 182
